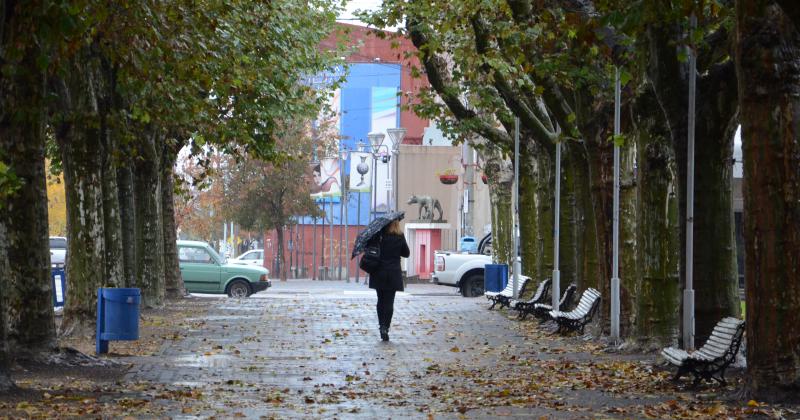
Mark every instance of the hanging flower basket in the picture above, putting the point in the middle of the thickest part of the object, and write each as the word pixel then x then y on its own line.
pixel 448 179
pixel 484 178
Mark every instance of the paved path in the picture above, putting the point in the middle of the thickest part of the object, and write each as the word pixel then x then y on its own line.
pixel 310 349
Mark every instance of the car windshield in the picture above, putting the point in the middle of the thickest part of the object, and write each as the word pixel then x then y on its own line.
pixel 216 256
pixel 58 243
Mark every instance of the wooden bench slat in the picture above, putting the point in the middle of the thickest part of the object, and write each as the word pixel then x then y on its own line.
pixel 712 352
pixel 722 336
pixel 731 321
pixel 720 348
pixel 722 341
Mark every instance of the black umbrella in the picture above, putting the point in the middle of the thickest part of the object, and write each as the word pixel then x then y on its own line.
pixel 373 228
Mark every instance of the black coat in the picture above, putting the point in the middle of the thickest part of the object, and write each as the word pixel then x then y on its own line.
pixel 389 275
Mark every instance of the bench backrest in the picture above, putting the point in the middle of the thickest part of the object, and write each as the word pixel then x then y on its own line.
pixel 509 290
pixel 566 298
pixel 588 299
pixel 541 291
pixel 724 341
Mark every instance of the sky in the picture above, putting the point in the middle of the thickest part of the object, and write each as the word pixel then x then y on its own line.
pixel 353 5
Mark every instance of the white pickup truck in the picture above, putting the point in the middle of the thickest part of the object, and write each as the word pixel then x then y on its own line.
pixel 463 270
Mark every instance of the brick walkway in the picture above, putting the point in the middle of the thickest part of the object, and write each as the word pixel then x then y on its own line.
pixel 308 349
pixel 312 349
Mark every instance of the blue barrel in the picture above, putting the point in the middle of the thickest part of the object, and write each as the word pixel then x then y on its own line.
pixel 495 277
pixel 117 315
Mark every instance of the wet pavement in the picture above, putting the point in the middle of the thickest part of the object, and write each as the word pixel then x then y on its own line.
pixel 311 349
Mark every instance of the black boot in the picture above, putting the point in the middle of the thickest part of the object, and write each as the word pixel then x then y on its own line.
pixel 384 334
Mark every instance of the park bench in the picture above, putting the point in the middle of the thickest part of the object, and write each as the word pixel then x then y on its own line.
pixel 577 318
pixel 503 298
pixel 524 307
pixel 542 310
pixel 718 352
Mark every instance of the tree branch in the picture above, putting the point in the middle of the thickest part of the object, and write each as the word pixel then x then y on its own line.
pixel 512 99
pixel 792 10
pixel 441 81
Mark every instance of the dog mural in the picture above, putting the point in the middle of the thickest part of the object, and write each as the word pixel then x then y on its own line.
pixel 427 205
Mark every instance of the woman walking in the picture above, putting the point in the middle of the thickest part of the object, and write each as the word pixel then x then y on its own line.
pixel 388 278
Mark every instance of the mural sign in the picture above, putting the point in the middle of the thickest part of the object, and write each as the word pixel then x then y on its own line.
pixel 360 172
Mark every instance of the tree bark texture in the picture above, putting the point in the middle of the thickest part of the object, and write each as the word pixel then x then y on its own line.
pixel 714 256
pixel 112 220
pixel 79 135
pixel 127 212
pixel 628 224
pixel 500 175
pixel 281 257
pixel 601 180
pixel 172 271
pixel 28 305
pixel 657 289
pixel 536 206
pixel 149 230
pixel 5 357
pixel 767 57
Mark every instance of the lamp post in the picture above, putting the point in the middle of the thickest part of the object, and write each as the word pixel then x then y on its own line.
pixel 344 154
pixel 375 140
pixel 330 255
pixel 397 135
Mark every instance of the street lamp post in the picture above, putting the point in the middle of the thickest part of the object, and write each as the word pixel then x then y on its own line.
pixel 375 140
pixel 330 256
pixel 397 135
pixel 344 154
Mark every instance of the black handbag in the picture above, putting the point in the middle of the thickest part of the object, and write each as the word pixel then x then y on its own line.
pixel 371 259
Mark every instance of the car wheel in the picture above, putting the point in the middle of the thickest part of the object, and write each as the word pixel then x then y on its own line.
pixel 239 289
pixel 472 286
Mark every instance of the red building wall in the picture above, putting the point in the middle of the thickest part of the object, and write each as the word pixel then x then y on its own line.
pixel 309 245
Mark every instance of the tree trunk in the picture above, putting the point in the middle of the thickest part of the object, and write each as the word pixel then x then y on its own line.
pixel 27 305
pixel 173 280
pixel 714 257
pixel 573 251
pixel 537 177
pixel 5 357
pixel 149 230
pixel 281 257
pixel 79 136
pixel 656 314
pixel 767 56
pixel 715 272
pixel 127 212
pixel 500 175
pixel 601 181
pixel 629 274
pixel 112 222
pixel 29 312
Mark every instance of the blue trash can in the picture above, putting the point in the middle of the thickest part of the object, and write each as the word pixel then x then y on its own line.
pixel 495 277
pixel 117 316
pixel 467 244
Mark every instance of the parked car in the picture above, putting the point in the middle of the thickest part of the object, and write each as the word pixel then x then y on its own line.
pixel 205 271
pixel 462 269
pixel 252 257
pixel 58 250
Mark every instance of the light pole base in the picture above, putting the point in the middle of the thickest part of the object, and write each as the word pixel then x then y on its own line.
pixel 688 319
pixel 556 289
pixel 615 304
